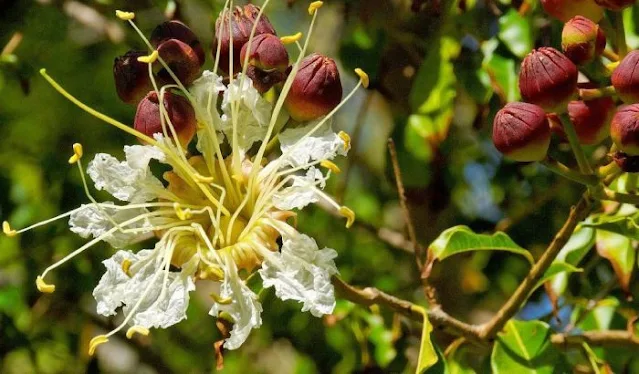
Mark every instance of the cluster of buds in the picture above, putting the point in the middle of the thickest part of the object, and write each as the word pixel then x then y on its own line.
pixel 584 112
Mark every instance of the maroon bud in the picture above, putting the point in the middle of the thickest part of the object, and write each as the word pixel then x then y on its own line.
pixel 267 53
pixel 624 129
pixel 179 111
pixel 521 132
pixel 177 30
pixel 316 89
pixel 242 20
pixel 262 80
pixel 181 59
pixel 615 5
pixel 132 80
pixel 628 164
pixel 564 10
pixel 591 119
pixel 582 40
pixel 548 79
pixel 625 78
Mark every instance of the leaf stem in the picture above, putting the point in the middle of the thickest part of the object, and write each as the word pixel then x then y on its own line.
pixel 596 93
pixel 566 172
pixel 571 134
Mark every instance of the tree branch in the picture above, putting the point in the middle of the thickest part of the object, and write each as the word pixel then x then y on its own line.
pixel 597 338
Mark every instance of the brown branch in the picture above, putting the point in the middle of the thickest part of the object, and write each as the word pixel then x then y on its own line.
pixel 597 338
pixel 512 305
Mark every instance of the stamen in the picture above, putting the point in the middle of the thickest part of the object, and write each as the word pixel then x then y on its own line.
pixel 290 39
pixel 363 77
pixel 181 213
pixel 314 6
pixel 7 230
pixel 124 16
pixel 44 287
pixel 126 266
pixel 221 300
pixel 95 342
pixel 330 166
pixel 136 330
pixel 77 153
pixel 348 214
pixel 346 138
pixel 150 58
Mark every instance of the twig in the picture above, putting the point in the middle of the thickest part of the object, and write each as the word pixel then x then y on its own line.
pixel 512 305
pixel 566 172
pixel 597 338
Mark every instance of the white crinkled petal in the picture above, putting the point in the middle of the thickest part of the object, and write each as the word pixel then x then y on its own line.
pixel 127 181
pixel 301 192
pixel 91 220
pixel 205 92
pixel 299 149
pixel 245 308
pixel 302 272
pixel 139 156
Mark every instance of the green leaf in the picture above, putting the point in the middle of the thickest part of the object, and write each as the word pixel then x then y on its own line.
pixel 505 76
pixel 619 250
pixel 625 225
pixel 557 268
pixel 457 358
pixel 516 32
pixel 460 239
pixel 427 354
pixel 524 347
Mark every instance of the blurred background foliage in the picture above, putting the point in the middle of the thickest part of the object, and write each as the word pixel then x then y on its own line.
pixel 439 69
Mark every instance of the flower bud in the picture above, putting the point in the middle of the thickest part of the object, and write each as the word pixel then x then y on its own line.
pixel 582 40
pixel 262 80
pixel 521 132
pixel 267 53
pixel 177 30
pixel 131 77
pixel 242 19
pixel 625 78
pixel 591 119
pixel 628 164
pixel 548 79
pixel 615 5
pixel 179 111
pixel 564 10
pixel 316 89
pixel 624 129
pixel 181 59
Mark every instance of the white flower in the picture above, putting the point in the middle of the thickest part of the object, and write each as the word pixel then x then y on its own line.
pixel 130 180
pixel 299 149
pixel 205 91
pixel 244 307
pixel 155 296
pixel 94 220
pixel 302 272
pixel 301 192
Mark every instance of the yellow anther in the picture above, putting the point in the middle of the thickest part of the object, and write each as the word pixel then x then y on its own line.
pixel 77 153
pixel 348 214
pixel 221 300
pixel 363 76
pixel 44 287
pixel 315 5
pixel 124 16
pixel 150 58
pixel 183 214
pixel 330 166
pixel 95 342
pixel 7 230
pixel 126 265
pixel 202 179
pixel 239 177
pixel 346 138
pixel 136 330
pixel 290 39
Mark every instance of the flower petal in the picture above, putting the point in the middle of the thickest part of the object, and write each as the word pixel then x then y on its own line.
pixel 301 192
pixel 302 272
pixel 205 92
pixel 299 149
pixel 245 308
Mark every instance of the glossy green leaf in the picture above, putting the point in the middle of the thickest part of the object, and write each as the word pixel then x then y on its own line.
pixel 581 241
pixel 457 359
pixel 427 354
pixel 516 32
pixel 557 268
pixel 503 71
pixel 524 347
pixel 460 239
pixel 619 250
pixel 625 225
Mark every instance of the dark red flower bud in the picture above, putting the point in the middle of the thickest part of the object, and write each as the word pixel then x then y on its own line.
pixel 625 78
pixel 177 30
pixel 615 5
pixel 316 89
pixel 564 10
pixel 521 132
pixel 582 40
pixel 628 164
pixel 262 80
pixel 267 53
pixel 548 79
pixel 591 119
pixel 179 111
pixel 624 129
pixel 242 20
pixel 181 59
pixel 132 80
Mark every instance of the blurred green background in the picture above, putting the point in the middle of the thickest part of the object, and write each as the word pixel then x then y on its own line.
pixel 439 71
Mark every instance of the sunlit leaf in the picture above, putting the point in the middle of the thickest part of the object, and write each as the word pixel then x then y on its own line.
pixel 557 268
pixel 516 32
pixel 457 358
pixel 619 250
pixel 460 239
pixel 502 72
pixel 524 347
pixel 427 354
